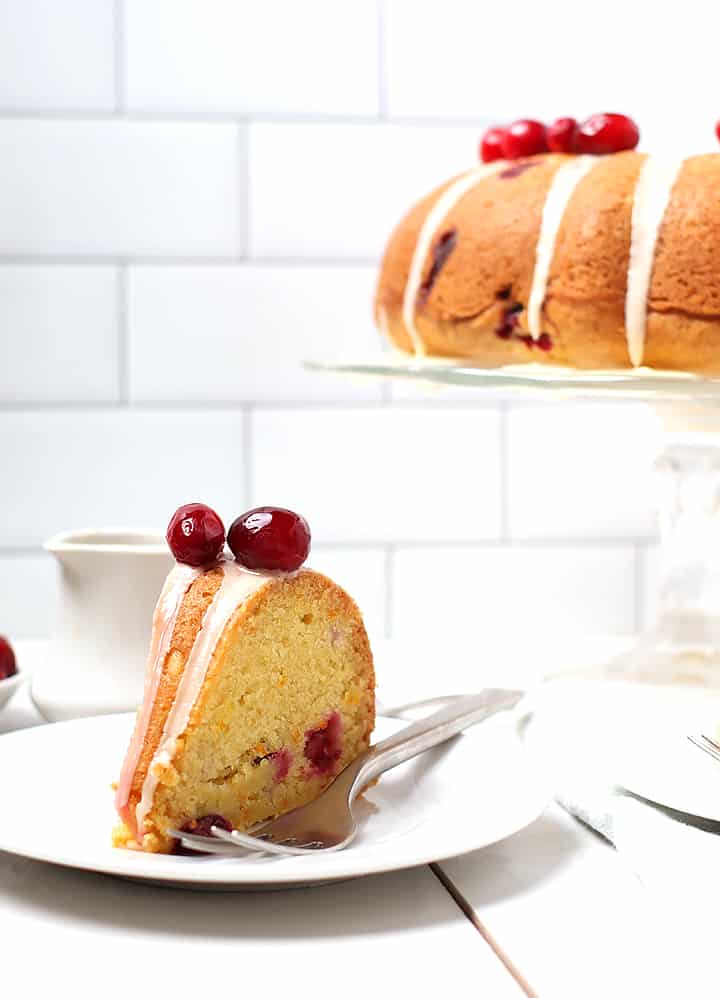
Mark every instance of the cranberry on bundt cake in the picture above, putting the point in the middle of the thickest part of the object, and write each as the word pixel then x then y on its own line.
pixel 259 685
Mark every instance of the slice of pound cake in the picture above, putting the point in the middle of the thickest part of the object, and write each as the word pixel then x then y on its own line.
pixel 259 687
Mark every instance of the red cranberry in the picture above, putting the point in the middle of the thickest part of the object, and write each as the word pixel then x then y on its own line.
pixel 607 133
pixel 491 145
pixel 269 538
pixel 200 826
pixel 196 535
pixel 562 135
pixel 524 138
pixel 8 666
pixel 323 746
pixel 717 130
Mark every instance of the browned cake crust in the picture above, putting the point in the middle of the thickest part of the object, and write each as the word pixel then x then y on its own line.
pixel 190 615
pixel 494 232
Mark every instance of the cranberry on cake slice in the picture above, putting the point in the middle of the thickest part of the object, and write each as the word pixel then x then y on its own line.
pixel 270 539
pixel 8 665
pixel 196 535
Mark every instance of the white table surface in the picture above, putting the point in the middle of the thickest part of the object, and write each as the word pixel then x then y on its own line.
pixel 555 911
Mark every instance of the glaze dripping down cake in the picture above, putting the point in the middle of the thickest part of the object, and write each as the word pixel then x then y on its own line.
pixel 259 690
pixel 588 261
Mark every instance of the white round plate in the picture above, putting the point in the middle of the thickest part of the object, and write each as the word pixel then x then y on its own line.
pixel 632 735
pixel 466 794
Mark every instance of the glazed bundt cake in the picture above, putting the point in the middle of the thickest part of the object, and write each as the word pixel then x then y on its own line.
pixel 259 690
pixel 609 261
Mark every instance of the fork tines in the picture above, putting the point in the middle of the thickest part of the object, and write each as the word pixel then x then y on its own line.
pixel 707 744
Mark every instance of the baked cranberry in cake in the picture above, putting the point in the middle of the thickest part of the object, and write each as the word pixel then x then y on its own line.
pixel 323 746
pixel 269 539
pixel 196 535
pixel 544 342
pixel 282 759
pixel 442 249
pixel 603 134
pixel 8 666
pixel 517 169
pixel 201 826
pixel 524 138
pixel 491 145
pixel 562 135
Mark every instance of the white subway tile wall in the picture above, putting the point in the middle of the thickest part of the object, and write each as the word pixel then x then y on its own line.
pixel 57 56
pixel 194 196
pixel 60 340
pixel 542 60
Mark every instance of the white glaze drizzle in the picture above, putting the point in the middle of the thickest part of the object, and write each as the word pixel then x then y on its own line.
pixel 652 193
pixel 237 585
pixel 433 220
pixel 177 583
pixel 564 182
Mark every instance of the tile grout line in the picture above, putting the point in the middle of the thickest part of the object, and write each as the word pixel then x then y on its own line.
pixel 123 336
pixel 248 446
pixel 467 910
pixel 243 148
pixel 309 404
pixel 233 117
pixel 230 260
pixel 119 49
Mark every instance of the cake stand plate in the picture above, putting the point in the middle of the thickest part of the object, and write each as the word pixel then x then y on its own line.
pixel 684 645
pixel 532 380
pixel 469 793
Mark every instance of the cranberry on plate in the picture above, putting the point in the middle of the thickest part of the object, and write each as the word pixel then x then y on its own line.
pixel 196 535
pixel 8 666
pixel 269 538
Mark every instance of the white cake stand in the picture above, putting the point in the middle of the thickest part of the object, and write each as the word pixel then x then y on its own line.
pixel 684 643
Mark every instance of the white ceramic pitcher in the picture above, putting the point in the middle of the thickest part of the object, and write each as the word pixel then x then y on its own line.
pixel 110 579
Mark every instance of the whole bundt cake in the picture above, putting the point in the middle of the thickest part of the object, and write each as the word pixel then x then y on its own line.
pixel 587 261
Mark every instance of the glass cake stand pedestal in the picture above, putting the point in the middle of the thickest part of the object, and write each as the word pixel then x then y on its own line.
pixel 683 646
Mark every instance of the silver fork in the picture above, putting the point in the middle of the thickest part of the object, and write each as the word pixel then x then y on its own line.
pixel 707 744
pixel 327 824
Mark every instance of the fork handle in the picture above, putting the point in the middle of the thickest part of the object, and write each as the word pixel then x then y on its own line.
pixel 431 731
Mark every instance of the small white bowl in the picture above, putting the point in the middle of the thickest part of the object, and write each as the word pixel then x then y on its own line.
pixel 9 685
